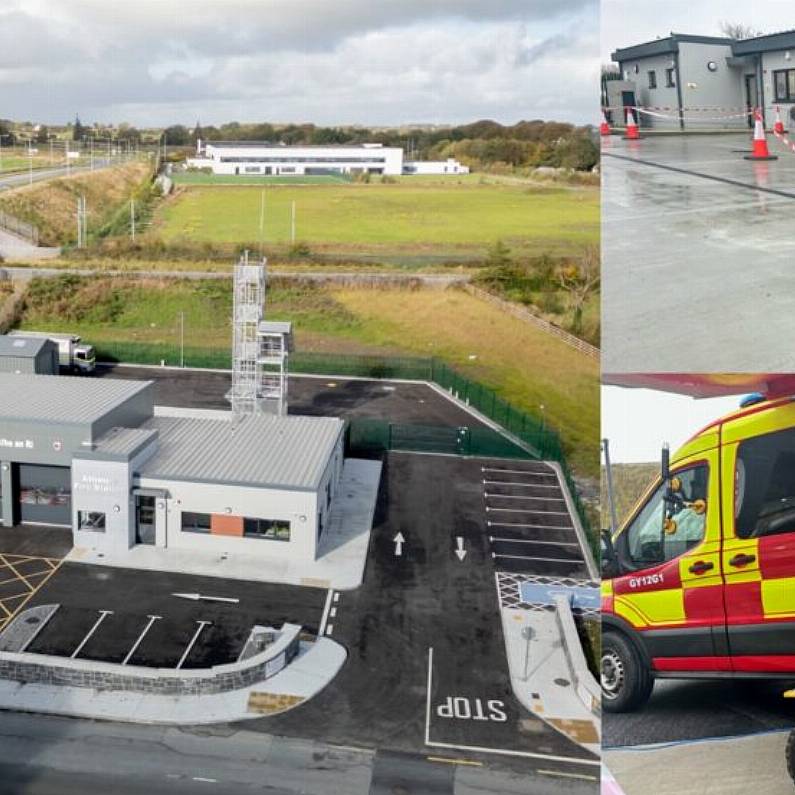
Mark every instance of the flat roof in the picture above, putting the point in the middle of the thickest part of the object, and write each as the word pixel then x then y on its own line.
pixel 259 450
pixel 666 44
pixel 783 40
pixel 61 398
pixel 24 347
pixel 120 444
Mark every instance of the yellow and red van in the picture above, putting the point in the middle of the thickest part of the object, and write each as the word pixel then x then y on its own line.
pixel 700 580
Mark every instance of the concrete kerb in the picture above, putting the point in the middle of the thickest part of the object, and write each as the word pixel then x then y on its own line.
pixel 315 666
pixel 585 683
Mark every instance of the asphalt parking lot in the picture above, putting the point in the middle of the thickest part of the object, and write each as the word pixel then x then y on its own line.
pixel 427 670
pixel 106 613
pixel 684 250
pixel 329 397
pixel 699 709
pixel 528 523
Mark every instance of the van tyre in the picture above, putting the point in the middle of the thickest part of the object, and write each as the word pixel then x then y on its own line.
pixel 626 682
pixel 791 755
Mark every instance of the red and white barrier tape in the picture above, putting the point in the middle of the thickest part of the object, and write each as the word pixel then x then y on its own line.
pixel 784 140
pixel 647 112
pixel 676 110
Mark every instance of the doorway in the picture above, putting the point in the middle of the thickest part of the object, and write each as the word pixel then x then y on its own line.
pixel 144 519
pixel 751 97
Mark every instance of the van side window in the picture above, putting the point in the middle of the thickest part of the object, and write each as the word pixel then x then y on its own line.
pixel 764 485
pixel 648 542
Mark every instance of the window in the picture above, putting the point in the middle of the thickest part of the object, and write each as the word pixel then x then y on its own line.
pixel 269 529
pixel 252 169
pixel 764 485
pixel 648 542
pixel 784 85
pixel 93 521
pixel 652 79
pixel 670 75
pixel 195 522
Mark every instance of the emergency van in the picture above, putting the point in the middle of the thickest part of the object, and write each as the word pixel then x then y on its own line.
pixel 699 582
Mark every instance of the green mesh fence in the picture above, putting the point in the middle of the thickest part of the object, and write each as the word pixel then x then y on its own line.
pixel 533 439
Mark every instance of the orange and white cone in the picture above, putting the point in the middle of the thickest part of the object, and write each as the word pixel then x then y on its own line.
pixel 778 127
pixel 633 133
pixel 760 151
pixel 604 127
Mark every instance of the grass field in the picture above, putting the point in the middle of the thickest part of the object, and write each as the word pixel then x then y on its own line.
pixel 525 366
pixel 463 217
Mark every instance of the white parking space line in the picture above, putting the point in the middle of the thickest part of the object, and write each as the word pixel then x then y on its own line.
pixel 535 541
pixel 480 749
pixel 527 510
pixel 548 560
pixel 326 609
pixel 329 629
pixel 531 526
pixel 530 472
pixel 336 597
pixel 137 643
pixel 521 497
pixel 520 485
pixel 103 614
pixel 202 625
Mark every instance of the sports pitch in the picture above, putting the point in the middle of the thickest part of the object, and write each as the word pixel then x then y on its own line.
pixel 463 216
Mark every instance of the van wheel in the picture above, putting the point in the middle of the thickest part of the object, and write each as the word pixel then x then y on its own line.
pixel 791 755
pixel 626 682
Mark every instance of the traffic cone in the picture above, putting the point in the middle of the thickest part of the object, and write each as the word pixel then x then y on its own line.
pixel 779 125
pixel 604 127
pixel 760 151
pixel 633 134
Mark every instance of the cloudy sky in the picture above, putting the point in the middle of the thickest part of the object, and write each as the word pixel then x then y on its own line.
pixel 373 62
pixel 628 22
pixel 638 421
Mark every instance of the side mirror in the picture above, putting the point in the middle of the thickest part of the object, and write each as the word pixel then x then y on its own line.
pixel 610 565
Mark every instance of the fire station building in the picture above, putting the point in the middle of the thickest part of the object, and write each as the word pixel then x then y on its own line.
pixel 96 455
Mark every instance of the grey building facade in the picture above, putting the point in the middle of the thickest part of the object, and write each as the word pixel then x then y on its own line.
pixel 28 355
pixel 96 455
pixel 684 72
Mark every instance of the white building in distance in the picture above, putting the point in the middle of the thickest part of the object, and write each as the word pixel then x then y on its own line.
pixel 258 158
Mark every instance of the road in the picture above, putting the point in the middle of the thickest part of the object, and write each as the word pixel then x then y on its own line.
pixel 43 755
pixel 20 179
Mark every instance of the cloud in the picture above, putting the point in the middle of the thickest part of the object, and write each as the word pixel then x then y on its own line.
pixel 366 61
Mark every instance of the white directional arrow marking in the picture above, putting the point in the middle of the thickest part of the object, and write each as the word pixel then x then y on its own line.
pixel 195 597
pixel 399 541
pixel 460 551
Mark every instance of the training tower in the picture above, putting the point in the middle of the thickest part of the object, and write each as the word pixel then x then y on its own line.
pixel 260 349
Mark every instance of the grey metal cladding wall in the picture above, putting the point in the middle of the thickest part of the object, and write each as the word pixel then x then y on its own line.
pixel 131 413
pixel 17 364
pixel 36 443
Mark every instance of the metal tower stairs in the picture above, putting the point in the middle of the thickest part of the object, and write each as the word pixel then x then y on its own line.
pixel 260 348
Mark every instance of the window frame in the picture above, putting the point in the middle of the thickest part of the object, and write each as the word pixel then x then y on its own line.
pixel 789 75
pixel 84 527
pixel 670 77
pixel 652 77
pixel 625 557
pixel 275 524
pixel 195 527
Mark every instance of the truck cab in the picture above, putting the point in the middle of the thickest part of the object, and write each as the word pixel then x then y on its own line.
pixel 699 581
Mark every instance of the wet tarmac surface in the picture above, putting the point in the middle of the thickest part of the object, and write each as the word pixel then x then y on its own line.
pixel 698 260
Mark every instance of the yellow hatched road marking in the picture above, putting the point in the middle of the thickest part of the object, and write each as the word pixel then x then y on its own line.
pixel 26 596
pixel 449 761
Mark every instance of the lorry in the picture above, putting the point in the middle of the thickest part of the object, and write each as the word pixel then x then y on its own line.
pixel 73 355
pixel 699 581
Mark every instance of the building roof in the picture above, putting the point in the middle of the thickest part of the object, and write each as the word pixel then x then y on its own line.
pixel 784 40
pixel 279 145
pixel 120 444
pixel 62 398
pixel 24 347
pixel 669 44
pixel 258 450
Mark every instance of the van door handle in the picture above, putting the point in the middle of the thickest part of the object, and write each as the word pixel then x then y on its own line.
pixel 700 566
pixel 742 559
